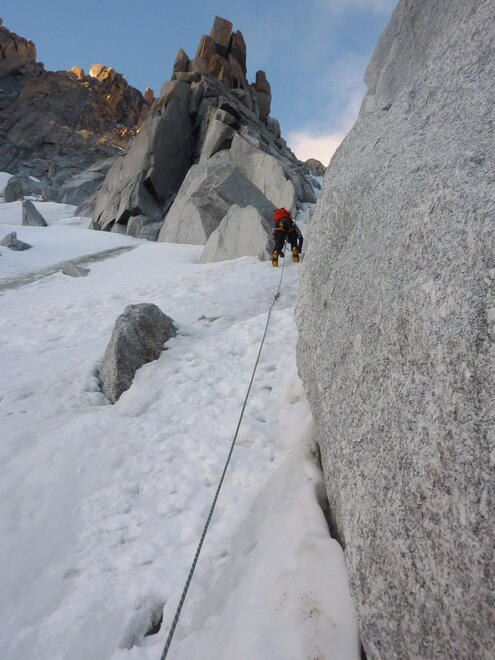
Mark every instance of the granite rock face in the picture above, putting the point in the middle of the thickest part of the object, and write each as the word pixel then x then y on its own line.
pixel 80 190
pixel 145 178
pixel 243 231
pixel 396 315
pixel 205 197
pixel 227 151
pixel 137 338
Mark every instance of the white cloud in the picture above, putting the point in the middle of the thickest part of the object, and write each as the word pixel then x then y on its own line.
pixel 378 6
pixel 341 92
pixel 306 144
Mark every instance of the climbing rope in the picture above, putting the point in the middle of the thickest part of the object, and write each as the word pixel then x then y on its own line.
pixel 220 483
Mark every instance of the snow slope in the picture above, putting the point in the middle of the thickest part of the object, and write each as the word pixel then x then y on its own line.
pixel 101 506
pixel 53 244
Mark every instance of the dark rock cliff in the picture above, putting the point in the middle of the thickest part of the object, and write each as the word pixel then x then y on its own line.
pixel 54 125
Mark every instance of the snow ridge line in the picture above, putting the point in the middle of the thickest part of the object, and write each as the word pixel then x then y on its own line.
pixel 220 483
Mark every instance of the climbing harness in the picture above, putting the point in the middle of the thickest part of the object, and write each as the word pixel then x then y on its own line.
pixel 220 483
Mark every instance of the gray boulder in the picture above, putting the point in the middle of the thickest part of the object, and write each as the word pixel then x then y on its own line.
pixel 396 347
pixel 140 227
pixel 13 190
pixel 74 271
pixel 31 216
pixel 51 194
pixel 13 243
pixel 205 197
pixel 137 338
pixel 242 232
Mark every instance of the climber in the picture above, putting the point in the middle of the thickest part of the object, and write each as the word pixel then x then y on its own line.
pixel 286 230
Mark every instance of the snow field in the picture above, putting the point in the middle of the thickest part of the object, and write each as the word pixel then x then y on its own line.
pixel 101 506
pixel 51 245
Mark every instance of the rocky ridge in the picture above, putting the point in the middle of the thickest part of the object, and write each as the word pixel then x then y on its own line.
pixel 207 143
pixel 53 125
pixel 396 313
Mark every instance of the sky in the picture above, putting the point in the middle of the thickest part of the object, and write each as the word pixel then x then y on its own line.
pixel 314 52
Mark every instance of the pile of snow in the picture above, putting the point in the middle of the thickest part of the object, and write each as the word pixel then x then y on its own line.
pixel 102 506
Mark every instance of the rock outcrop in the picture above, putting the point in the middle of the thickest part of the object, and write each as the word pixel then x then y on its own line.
pixel 13 243
pixel 13 191
pixel 31 216
pixel 315 166
pixel 15 52
pixel 243 231
pixel 80 190
pixel 207 143
pixel 205 197
pixel 19 187
pixel 55 125
pixel 137 338
pixel 74 271
pixel 396 316
pixel 144 179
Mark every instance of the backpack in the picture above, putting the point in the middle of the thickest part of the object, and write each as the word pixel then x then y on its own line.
pixel 282 219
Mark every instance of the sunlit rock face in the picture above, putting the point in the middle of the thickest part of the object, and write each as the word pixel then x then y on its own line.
pixel 396 319
pixel 207 144
pixel 15 52
pixel 315 166
pixel 54 125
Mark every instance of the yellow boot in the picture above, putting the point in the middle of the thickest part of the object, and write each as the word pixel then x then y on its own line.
pixel 295 254
pixel 275 258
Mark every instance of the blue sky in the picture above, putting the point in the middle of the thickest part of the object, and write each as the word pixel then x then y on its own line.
pixel 314 52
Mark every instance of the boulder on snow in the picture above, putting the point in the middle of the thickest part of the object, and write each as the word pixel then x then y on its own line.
pixel 242 232
pixel 137 338
pixel 13 243
pixel 19 186
pixel 396 313
pixel 31 216
pixel 208 191
pixel 74 271
pixel 13 190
